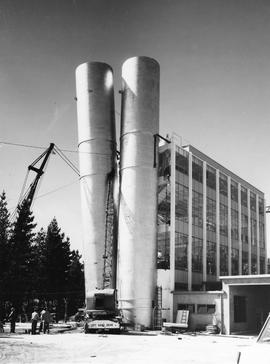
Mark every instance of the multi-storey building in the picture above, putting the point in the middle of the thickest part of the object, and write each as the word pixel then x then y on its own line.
pixel 211 222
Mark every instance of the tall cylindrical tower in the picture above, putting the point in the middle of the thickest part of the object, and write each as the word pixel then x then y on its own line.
pixel 97 151
pixel 137 229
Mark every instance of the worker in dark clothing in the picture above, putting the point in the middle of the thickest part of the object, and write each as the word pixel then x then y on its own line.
pixel 34 321
pixel 12 319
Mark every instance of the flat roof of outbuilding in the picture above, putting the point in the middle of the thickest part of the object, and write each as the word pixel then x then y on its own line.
pixel 259 279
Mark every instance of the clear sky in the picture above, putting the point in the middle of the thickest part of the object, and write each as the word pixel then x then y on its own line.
pixel 215 84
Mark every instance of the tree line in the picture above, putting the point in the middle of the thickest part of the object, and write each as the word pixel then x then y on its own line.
pixel 37 269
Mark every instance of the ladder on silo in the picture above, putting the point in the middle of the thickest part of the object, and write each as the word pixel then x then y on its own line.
pixel 108 256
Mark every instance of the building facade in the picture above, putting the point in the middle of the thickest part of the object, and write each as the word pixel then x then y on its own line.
pixel 211 223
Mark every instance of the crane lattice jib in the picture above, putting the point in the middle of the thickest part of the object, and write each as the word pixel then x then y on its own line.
pixel 109 235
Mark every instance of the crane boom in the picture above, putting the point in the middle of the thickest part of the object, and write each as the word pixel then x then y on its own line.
pixel 39 172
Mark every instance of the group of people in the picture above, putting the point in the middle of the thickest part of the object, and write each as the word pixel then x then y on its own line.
pixel 44 318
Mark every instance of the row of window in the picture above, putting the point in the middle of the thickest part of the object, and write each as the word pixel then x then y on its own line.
pixel 181 253
pixel 197 220
pixel 181 212
pixel 197 308
pixel 182 166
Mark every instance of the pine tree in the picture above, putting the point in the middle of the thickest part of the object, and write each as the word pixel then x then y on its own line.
pixel 75 282
pixel 21 259
pixel 57 261
pixel 39 265
pixel 4 250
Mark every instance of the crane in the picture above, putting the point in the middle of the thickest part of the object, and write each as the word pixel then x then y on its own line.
pixel 39 172
pixel 109 243
pixel 28 195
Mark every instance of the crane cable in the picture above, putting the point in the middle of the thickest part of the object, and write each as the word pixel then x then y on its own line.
pixel 66 160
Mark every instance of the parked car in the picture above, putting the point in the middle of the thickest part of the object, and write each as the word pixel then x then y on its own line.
pixel 260 351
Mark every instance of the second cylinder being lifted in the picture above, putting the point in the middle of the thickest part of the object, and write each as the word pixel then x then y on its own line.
pixel 137 231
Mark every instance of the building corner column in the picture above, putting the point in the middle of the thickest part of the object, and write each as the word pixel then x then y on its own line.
pixel 190 222
pixel 240 230
pixel 217 224
pixel 172 229
pixel 229 228
pixel 249 232
pixel 204 224
pixel 258 234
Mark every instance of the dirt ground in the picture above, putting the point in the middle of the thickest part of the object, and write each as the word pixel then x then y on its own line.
pixel 156 348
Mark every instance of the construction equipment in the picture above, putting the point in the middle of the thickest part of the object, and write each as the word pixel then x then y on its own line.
pixel 106 316
pixel 109 256
pixel 109 252
pixel 27 195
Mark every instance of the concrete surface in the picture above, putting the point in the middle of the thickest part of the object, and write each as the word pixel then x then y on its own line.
pixel 76 347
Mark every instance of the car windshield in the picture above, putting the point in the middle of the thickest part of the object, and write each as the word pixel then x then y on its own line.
pixel 264 335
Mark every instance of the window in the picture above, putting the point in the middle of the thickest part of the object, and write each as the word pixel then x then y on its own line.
pixel 252 201
pixel 163 255
pixel 210 214
pixel 223 260
pixel 181 246
pixel 181 161
pixel 262 265
pixel 253 264
pixel 181 202
pixel 223 185
pixel 197 209
pixel 197 246
pixel 261 206
pixel 243 196
pixel 261 233
pixel 235 261
pixel 206 309
pixel 186 306
pixel 223 228
pixel 234 224
pixel 164 204
pixel 234 191
pixel 211 177
pixel 253 225
pixel 164 161
pixel 211 257
pixel 244 263
pixel 197 169
pixel 240 309
pixel 244 228
pixel 196 254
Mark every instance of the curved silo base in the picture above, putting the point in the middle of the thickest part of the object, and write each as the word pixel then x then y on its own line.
pixel 137 262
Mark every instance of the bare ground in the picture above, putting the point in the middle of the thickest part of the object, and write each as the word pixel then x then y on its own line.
pixel 76 347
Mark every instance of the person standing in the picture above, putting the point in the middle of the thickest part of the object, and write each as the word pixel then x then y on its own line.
pixel 12 318
pixel 46 319
pixel 41 325
pixel 34 321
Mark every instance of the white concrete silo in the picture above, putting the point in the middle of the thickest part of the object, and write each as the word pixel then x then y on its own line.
pixel 137 229
pixel 97 152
